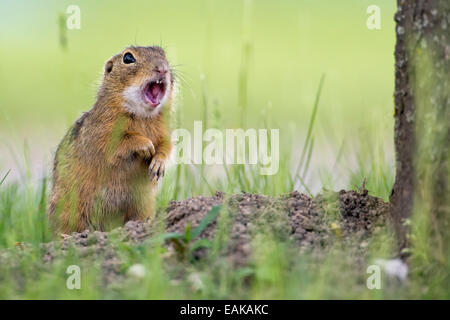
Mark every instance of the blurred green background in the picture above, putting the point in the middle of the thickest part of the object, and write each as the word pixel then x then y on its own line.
pixel 49 74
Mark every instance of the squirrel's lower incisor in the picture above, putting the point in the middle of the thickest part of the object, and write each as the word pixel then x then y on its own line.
pixel 107 166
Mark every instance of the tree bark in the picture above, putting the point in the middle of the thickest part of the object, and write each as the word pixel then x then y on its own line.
pixel 422 123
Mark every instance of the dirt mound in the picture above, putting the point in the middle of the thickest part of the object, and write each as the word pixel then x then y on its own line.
pixel 310 223
pixel 307 221
pixel 191 212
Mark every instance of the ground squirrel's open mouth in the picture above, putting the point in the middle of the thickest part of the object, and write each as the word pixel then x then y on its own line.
pixel 154 92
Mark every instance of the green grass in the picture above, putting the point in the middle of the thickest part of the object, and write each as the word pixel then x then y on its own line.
pixel 277 270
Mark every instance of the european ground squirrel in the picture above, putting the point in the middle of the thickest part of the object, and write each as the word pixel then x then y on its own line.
pixel 107 166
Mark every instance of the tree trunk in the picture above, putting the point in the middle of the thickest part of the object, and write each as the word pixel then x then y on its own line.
pixel 422 122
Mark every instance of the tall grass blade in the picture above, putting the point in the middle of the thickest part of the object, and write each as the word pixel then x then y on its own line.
pixel 5 176
pixel 210 216
pixel 308 158
pixel 311 126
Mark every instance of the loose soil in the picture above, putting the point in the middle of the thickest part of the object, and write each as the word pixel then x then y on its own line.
pixel 311 224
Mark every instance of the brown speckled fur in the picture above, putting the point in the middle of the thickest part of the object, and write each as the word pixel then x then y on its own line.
pixel 103 166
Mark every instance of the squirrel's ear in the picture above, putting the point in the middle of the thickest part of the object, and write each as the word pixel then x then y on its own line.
pixel 108 66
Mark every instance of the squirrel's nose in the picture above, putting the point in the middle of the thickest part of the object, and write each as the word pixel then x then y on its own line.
pixel 161 69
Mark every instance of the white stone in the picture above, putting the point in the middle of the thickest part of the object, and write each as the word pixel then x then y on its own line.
pixel 394 268
pixel 137 271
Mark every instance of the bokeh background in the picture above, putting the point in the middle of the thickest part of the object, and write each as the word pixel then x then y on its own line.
pixel 279 49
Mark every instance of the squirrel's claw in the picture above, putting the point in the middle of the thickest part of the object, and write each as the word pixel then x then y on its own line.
pixel 156 169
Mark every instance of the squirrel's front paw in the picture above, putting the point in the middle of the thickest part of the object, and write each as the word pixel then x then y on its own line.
pixel 156 168
pixel 147 151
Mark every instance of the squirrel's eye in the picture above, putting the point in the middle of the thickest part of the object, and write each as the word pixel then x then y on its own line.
pixel 128 58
